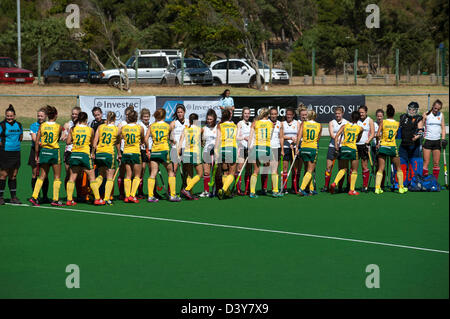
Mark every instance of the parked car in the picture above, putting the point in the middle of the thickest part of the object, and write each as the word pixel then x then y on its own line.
pixel 241 72
pixel 195 72
pixel 151 67
pixel 11 73
pixel 70 71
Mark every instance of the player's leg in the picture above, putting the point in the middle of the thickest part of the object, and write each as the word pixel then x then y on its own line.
pixel 396 161
pixel 363 153
pixel 275 158
pixel 416 164
pixel 151 181
pixel 93 183
pixel 331 158
pixel 137 171
pixel 74 171
pixel 426 161
pixel 56 184
pixel 254 179
pixel 343 167
pixel 353 177
pixel 127 181
pixel 44 170
pixel 172 180
pixel 193 181
pixel 109 184
pixel 286 159
pixel 307 178
pixel 436 162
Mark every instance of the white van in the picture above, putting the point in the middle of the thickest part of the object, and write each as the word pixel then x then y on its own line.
pixel 240 72
pixel 151 67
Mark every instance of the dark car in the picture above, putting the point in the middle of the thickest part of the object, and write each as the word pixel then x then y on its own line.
pixel 10 73
pixel 195 72
pixel 70 71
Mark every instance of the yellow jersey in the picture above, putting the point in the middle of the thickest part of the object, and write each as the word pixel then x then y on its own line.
pixel 389 132
pixel 81 139
pixel 107 138
pixel 131 134
pixel 160 136
pixel 228 132
pixel 192 139
pixel 49 135
pixel 263 132
pixel 310 134
pixel 351 132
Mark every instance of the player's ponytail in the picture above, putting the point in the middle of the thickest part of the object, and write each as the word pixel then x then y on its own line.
pixel 132 117
pixel 439 102
pixel 193 118
pixel 110 117
pixel 355 117
pixel 264 112
pixel 159 115
pixel 10 109
pixel 226 115
pixel 51 112
pixel 390 111
pixel 82 118
pixel 312 115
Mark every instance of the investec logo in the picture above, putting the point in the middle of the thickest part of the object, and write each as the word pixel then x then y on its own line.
pixel 117 103
pixel 170 107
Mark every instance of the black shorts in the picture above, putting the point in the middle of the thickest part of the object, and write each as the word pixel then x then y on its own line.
pixel 32 158
pixel 288 154
pixel 363 152
pixel 243 152
pixel 144 157
pixel 67 157
pixel 432 145
pixel 332 153
pixel 10 159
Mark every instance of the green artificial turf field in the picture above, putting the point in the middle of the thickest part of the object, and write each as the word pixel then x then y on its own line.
pixel 290 247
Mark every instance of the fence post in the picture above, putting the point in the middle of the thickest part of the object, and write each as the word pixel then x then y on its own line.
pixel 428 108
pixel 291 81
pixel 313 66
pixel 442 62
pixel 182 67
pixel 437 63
pixel 39 64
pixel 355 66
pixel 270 66
pixel 136 66
pixel 89 66
pixel 397 78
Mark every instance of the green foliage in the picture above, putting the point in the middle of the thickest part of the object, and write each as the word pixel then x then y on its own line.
pixel 301 64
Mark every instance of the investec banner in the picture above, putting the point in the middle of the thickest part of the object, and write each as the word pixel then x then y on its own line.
pixel 117 104
pixel 193 104
pixel 323 105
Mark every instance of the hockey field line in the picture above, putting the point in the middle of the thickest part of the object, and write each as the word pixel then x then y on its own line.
pixel 241 228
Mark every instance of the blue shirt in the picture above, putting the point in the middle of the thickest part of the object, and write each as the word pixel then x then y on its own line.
pixel 227 102
pixel 34 128
pixel 11 137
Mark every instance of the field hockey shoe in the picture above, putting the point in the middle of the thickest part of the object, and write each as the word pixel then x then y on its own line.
pixel 174 199
pixel 187 194
pixel 99 202
pixel 402 190
pixel 126 200
pixel 312 193
pixel 220 194
pixel 71 203
pixel 277 194
pixel 152 200
pixel 204 194
pixel 33 201
pixel 378 191
pixel 253 195
pixel 353 193
pixel 15 201
pixel 301 192
pixel 133 199
pixel 332 188
pixel 108 202
pixel 365 189
pixel 211 195
pixel 57 203
pixel 228 193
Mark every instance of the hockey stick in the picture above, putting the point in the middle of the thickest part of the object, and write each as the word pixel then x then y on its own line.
pixel 289 172
pixel 239 175
pixel 213 175
pixel 445 169
pixel 372 167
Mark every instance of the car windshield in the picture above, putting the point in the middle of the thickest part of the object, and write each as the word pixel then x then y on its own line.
pixel 7 63
pixel 261 65
pixel 191 64
pixel 130 62
pixel 74 66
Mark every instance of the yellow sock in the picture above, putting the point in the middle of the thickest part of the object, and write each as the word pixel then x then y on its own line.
pixel 37 188
pixel 151 186
pixel 400 178
pixel 70 187
pixel 108 189
pixel 192 182
pixel 94 187
pixel 127 187
pixel 311 185
pixel 253 181
pixel 56 187
pixel 188 180
pixel 228 181
pixel 306 180
pixel 173 186
pixel 275 183
pixel 99 180
pixel 135 186
pixel 378 180
pixel 339 175
pixel 353 178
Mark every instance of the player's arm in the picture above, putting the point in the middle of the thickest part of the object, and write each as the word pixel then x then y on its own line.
pixel 69 137
pixel 66 132
pixel 95 143
pixel 180 143
pixel 320 134
pixel 371 132
pixel 282 138
pixel 420 130
pixel 37 143
pixel 252 135
pixel 91 142
pixel 118 143
pixel 171 128
pixel 299 135
pixel 443 128
pixel 330 129
pixel 359 135
pixel 217 144
pixel 336 138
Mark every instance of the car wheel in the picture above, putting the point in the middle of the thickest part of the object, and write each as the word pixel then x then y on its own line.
pixel 217 82
pixel 253 82
pixel 114 81
pixel 177 82
pixel 164 81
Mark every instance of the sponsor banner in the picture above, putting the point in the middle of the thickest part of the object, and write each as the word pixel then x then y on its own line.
pixel 256 103
pixel 325 105
pixel 193 104
pixel 117 104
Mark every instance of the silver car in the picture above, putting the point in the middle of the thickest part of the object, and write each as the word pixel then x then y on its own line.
pixel 195 72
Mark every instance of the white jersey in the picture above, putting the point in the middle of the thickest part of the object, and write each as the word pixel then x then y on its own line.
pixel 290 130
pixel 209 136
pixel 275 140
pixel 336 127
pixel 376 126
pixel 433 128
pixel 365 133
pixel 177 131
pixel 69 147
pixel 150 141
pixel 244 131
